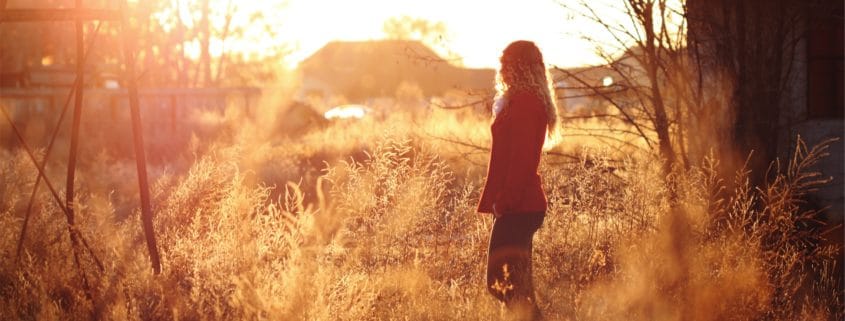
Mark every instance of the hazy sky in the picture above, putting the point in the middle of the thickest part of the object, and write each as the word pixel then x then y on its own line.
pixel 477 30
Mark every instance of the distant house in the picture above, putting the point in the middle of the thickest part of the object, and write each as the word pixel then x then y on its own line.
pixel 578 89
pixel 365 69
pixel 815 107
pixel 586 89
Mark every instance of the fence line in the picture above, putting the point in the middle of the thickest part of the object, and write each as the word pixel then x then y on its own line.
pixel 26 103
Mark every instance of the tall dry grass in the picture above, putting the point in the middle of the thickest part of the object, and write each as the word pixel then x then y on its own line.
pixel 375 220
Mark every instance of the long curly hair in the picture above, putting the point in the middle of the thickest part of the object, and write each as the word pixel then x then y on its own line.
pixel 522 67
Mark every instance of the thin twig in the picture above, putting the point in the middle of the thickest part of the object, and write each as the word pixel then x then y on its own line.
pixel 40 167
pixel 615 104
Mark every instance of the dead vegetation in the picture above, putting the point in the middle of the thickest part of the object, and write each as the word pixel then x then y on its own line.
pixel 375 220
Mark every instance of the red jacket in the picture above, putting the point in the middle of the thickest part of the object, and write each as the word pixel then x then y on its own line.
pixel 512 181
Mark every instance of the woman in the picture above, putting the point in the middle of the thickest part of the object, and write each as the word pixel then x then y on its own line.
pixel 524 112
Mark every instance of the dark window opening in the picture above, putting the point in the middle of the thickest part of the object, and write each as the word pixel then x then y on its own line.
pixel 824 66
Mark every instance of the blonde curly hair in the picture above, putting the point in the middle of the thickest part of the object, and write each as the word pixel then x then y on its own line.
pixel 522 67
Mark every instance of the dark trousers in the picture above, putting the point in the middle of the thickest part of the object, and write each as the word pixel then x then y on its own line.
pixel 509 258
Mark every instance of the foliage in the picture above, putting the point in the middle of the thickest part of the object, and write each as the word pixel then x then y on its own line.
pixel 185 43
pixel 376 220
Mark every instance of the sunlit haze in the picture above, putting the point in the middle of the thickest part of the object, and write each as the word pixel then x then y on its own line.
pixel 332 160
pixel 476 30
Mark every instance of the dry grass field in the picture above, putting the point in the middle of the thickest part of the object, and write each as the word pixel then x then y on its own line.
pixel 375 220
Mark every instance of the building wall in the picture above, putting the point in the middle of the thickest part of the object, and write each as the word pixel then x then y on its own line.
pixel 812 111
pixel 795 86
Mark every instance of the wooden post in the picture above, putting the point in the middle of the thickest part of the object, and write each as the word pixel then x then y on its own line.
pixel 138 142
pixel 74 146
pixel 77 117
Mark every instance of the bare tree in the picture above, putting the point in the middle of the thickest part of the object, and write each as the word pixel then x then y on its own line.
pixel 431 33
pixel 169 29
pixel 652 42
pixel 405 27
pixel 203 70
pixel 699 75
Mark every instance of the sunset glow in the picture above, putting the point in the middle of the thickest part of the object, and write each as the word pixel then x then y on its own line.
pixel 476 31
pixel 412 160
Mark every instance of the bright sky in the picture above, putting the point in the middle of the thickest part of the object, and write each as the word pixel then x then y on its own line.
pixel 477 30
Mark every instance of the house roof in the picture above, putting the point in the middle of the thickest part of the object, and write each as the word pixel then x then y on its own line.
pixel 362 51
pixel 375 68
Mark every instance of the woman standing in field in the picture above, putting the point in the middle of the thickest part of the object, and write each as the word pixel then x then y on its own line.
pixel 524 113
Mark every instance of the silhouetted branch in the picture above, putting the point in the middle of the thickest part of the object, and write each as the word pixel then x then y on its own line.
pixel 612 102
pixel 40 167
